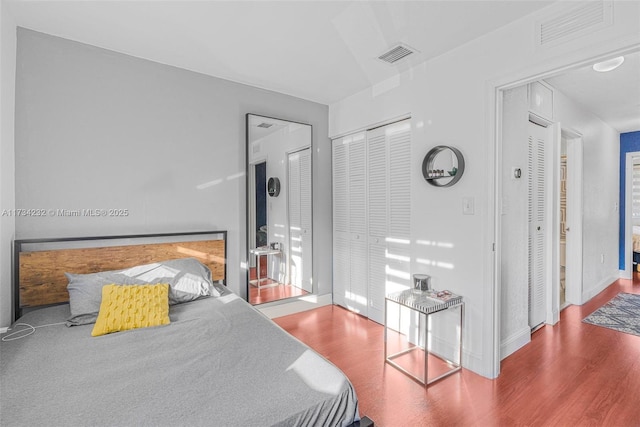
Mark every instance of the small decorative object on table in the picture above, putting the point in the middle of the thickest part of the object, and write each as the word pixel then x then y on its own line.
pixel 275 245
pixel 440 295
pixel 421 282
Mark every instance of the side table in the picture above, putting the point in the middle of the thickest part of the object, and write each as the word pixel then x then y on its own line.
pixel 258 252
pixel 423 303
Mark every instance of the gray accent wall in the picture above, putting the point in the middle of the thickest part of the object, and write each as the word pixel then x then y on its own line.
pixel 100 130
pixel 7 163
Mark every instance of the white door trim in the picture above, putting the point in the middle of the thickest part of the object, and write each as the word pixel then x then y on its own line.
pixel 575 193
pixel 494 90
pixel 627 273
pixel 553 235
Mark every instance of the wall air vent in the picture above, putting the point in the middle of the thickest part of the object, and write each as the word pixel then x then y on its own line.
pixel 265 125
pixel 574 22
pixel 396 53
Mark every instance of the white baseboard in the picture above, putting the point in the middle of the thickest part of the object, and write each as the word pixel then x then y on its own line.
pixel 3 330
pixel 587 295
pixel 515 342
pixel 474 362
pixel 626 274
pixel 295 305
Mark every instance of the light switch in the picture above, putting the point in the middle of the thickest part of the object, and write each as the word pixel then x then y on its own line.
pixel 467 206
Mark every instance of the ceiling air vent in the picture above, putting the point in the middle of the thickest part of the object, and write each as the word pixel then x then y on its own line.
pixel 574 22
pixel 396 53
pixel 265 125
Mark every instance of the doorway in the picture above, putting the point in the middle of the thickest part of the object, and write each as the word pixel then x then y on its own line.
pixel 571 218
pixel 261 204
pixel 632 214
pixel 258 218
pixel 506 305
pixel 540 221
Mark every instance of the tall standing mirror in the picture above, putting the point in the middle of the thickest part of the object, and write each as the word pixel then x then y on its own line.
pixel 278 209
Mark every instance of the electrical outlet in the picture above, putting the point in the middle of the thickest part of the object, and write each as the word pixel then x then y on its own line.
pixel 601 258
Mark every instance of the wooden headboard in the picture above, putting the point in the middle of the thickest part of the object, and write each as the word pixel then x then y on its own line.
pixel 40 264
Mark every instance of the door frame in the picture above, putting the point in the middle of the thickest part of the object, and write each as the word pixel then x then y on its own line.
pixel 251 202
pixel 575 191
pixel 552 230
pixel 495 89
pixel 627 273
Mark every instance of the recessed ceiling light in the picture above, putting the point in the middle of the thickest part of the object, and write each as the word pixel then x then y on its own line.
pixel 609 65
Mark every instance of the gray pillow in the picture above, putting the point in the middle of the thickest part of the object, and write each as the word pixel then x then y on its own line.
pixel 188 280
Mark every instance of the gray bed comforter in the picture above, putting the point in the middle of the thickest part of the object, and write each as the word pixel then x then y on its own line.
pixel 219 363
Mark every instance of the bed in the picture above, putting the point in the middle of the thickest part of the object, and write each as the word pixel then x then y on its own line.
pixel 217 362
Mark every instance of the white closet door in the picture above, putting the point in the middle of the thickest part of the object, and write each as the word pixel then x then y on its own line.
pixel 371 217
pixel 305 219
pixel 357 296
pixel 389 213
pixel 340 179
pixel 537 224
pixel 293 203
pixel 341 269
pixel 341 235
pixel 378 215
pixel 399 135
pixel 299 211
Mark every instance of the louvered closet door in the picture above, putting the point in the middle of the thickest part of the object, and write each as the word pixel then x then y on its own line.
pixel 399 136
pixel 293 202
pixel 371 217
pixel 357 296
pixel 299 203
pixel 349 223
pixel 378 207
pixel 341 237
pixel 305 219
pixel 398 238
pixel 537 224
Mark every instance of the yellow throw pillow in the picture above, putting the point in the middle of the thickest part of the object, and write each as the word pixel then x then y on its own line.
pixel 125 307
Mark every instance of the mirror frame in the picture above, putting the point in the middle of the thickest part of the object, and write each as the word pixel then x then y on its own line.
pixel 248 205
pixel 445 180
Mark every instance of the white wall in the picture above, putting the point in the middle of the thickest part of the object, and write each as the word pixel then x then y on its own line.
pixel 7 157
pixel 451 99
pixel 98 129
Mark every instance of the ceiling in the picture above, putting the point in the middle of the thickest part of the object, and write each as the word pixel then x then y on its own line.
pixel 317 50
pixel 320 50
pixel 613 96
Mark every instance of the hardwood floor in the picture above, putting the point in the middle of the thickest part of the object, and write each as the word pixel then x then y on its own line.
pixel 270 290
pixel 273 291
pixel 571 374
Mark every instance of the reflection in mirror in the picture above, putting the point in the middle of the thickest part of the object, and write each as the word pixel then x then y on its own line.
pixel 278 209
